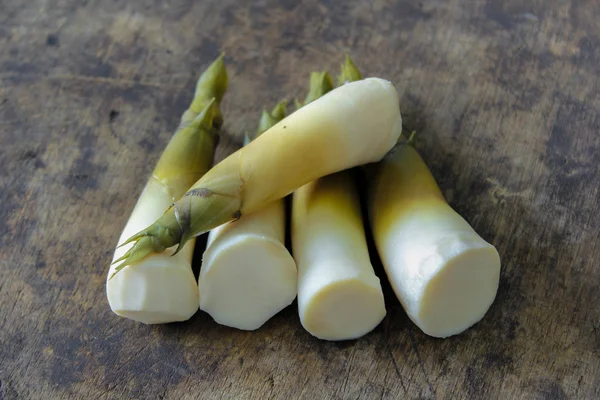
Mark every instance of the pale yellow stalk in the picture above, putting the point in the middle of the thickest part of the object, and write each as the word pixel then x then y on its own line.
pixel 247 274
pixel 444 274
pixel 339 295
pixel 162 288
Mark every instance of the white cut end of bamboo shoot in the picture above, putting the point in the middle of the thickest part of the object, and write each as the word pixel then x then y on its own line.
pixel 444 274
pixel 156 291
pixel 343 310
pixel 161 288
pixel 462 290
pixel 247 274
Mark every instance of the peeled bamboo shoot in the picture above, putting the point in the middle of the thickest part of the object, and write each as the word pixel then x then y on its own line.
pixel 339 295
pixel 162 288
pixel 444 274
pixel 247 274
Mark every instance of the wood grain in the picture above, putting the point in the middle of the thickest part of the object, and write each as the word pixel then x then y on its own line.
pixel 504 97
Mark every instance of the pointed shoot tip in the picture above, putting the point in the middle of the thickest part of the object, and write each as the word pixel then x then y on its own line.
pixel 279 110
pixel 142 248
pixel 349 72
pixel 320 84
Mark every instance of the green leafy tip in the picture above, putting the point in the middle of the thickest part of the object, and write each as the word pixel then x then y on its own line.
pixel 320 83
pixel 143 246
pixel 349 72
pixel 212 84
pixel 205 118
pixel 268 119
pixel 214 80
pixel 279 110
pixel 297 104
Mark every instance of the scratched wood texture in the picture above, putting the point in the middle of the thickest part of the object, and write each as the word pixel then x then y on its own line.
pixel 505 98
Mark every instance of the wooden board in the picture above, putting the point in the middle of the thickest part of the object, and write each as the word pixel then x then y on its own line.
pixel 504 97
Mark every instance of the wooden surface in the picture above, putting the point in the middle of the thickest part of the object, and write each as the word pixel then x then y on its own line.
pixel 505 98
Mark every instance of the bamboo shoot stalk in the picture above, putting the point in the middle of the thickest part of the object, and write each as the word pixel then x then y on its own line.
pixel 444 274
pixel 339 295
pixel 247 274
pixel 162 288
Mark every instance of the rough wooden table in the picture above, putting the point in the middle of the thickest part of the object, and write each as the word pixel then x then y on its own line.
pixel 505 98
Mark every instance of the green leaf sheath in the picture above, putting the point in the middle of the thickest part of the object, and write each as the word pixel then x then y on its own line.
pixel 216 206
pixel 187 157
pixel 189 153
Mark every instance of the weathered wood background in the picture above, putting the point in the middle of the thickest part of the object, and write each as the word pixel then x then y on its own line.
pixel 505 98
